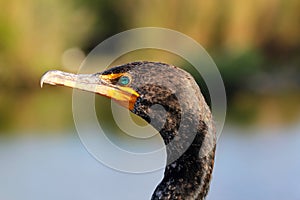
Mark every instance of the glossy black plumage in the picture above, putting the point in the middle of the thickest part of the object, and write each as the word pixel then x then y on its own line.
pixel 187 128
pixel 171 101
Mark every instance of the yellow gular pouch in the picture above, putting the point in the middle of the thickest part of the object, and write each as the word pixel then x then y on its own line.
pixel 125 96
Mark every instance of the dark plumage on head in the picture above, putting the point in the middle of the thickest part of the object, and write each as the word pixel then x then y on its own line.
pixel 170 100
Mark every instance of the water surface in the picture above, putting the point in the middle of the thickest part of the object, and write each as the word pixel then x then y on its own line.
pixel 261 165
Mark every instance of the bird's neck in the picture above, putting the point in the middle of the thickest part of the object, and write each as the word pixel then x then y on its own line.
pixel 187 130
pixel 187 175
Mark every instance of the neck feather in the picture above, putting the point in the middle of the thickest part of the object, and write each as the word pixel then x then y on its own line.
pixel 189 176
pixel 184 121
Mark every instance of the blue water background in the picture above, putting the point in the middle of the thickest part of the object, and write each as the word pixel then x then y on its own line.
pixel 258 164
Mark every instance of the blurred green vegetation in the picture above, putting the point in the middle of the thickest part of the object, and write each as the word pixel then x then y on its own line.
pixel 255 44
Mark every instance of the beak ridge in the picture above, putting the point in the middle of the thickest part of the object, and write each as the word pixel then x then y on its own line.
pixel 91 83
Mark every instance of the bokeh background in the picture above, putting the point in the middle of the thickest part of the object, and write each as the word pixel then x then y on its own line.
pixel 255 44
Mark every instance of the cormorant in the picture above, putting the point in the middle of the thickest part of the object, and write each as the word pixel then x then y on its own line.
pixel 186 125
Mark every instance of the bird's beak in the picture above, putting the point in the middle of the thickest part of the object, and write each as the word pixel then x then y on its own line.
pixel 125 96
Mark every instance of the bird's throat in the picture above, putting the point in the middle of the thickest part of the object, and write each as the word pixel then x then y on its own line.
pixel 190 150
pixel 189 176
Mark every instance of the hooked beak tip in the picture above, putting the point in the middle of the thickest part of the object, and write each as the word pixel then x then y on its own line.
pixel 49 77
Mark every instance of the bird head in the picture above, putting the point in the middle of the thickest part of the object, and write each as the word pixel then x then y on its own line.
pixel 159 93
pixel 165 96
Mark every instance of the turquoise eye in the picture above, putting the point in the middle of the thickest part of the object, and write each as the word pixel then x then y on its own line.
pixel 124 80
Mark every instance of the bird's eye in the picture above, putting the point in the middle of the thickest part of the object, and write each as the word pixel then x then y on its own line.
pixel 124 80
